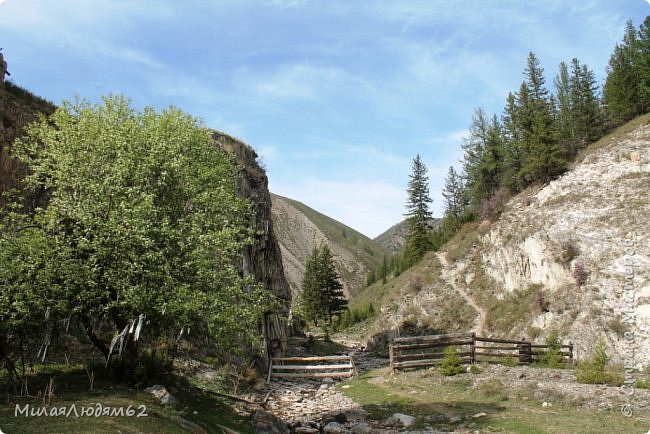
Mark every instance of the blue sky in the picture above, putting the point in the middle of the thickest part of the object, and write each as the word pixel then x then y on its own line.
pixel 336 96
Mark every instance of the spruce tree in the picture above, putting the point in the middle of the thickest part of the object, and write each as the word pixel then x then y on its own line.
pixel 512 151
pixel 311 300
pixel 454 195
pixel 322 292
pixel 621 92
pixel 543 158
pixel 418 216
pixel 484 158
pixel 330 284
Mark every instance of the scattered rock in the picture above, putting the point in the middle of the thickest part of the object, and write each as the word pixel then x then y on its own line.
pixel 521 375
pixel 161 393
pixel 361 428
pixel 546 404
pixel 481 414
pixel 306 430
pixel 328 380
pixel 345 386
pixel 267 423
pixel 189 426
pixel 333 428
pixel 338 418
pixel 401 419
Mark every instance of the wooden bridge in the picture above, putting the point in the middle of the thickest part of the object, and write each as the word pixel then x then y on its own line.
pixel 311 367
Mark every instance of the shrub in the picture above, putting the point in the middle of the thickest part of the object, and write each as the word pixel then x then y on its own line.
pixel 580 273
pixel 352 316
pixel 540 301
pixel 569 252
pixel 510 361
pixel 451 363
pixel 552 357
pixel 493 206
pixel 617 326
pixel 595 369
pixel 474 369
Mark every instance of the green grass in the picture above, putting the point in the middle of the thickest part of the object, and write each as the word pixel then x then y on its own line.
pixel 462 242
pixel 71 387
pixel 449 403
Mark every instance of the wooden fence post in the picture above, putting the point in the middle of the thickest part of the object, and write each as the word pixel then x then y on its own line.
pixel 570 352
pixel 472 349
pixel 390 356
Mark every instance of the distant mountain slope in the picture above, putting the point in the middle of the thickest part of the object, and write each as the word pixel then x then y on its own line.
pixel 395 237
pixel 299 229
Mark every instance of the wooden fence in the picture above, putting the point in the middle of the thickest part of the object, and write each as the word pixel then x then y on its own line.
pixel 425 351
pixel 311 367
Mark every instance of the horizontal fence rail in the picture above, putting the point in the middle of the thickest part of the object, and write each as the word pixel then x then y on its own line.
pixel 311 367
pixel 426 351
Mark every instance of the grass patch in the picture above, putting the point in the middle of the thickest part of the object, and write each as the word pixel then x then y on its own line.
pixel 514 308
pixel 449 404
pixel 463 241
pixel 71 387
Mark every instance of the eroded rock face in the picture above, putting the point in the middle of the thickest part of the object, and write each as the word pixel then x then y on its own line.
pixel 263 258
pixel 595 215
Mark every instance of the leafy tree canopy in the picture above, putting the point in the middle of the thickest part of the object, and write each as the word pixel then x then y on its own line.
pixel 142 218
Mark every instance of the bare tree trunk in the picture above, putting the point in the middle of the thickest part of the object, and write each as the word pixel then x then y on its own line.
pixel 9 364
pixel 97 342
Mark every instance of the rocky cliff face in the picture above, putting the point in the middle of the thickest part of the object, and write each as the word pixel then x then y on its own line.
pixel 17 109
pixel 263 258
pixel 583 240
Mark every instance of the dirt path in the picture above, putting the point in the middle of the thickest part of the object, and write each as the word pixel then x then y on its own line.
pixel 447 275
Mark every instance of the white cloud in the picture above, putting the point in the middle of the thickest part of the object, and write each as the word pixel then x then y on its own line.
pixel 293 81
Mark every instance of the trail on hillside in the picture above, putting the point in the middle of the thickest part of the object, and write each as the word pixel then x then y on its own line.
pixel 447 274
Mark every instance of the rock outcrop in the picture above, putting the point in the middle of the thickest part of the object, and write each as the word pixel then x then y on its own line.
pixel 593 221
pixel 263 258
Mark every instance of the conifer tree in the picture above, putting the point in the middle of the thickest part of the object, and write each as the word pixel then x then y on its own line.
pixel 418 214
pixel 543 158
pixel 312 299
pixel 331 286
pixel 322 292
pixel 484 157
pixel 454 195
pixel 621 92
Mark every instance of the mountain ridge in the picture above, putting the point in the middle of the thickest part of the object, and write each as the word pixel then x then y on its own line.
pixel 300 228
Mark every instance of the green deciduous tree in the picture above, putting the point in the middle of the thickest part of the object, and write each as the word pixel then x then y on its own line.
pixel 418 215
pixel 142 218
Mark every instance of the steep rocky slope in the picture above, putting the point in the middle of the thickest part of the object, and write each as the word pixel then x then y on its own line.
pixel 299 229
pixel 571 256
pixel 595 218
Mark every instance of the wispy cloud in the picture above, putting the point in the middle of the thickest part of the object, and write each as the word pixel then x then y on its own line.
pixel 292 81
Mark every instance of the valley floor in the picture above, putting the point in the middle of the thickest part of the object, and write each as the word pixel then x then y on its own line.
pixel 495 399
